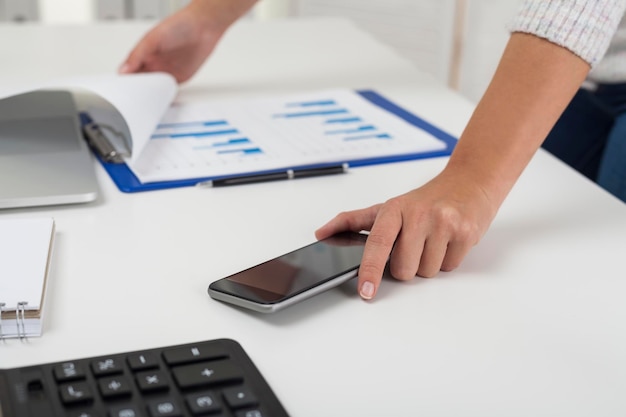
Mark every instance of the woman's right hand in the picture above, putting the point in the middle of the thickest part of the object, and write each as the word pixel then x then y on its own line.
pixel 182 42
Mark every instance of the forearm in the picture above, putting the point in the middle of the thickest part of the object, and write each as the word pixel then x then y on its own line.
pixel 531 87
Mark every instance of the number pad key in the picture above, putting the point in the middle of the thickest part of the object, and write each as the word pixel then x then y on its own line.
pixel 207 373
pixel 251 413
pixel 194 353
pixel 203 403
pixel 68 371
pixel 77 392
pixel 117 386
pixel 106 366
pixel 152 381
pixel 164 408
pixel 129 410
pixel 142 361
pixel 239 397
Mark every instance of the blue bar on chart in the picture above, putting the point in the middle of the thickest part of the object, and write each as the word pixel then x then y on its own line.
pixel 249 151
pixel 230 142
pixel 349 131
pixel 312 103
pixel 195 129
pixel 311 113
pixel 343 120
pixel 182 125
pixel 194 134
pixel 379 136
pixel 209 137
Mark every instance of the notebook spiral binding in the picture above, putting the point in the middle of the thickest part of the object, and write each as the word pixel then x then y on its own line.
pixel 20 317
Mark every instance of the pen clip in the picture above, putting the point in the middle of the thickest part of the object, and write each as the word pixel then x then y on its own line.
pixel 101 144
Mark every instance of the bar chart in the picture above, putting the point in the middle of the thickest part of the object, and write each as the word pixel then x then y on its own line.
pixel 229 137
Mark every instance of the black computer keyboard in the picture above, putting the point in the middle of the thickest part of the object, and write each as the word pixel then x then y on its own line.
pixel 214 378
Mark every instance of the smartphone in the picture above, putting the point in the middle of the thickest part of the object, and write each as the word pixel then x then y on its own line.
pixel 294 276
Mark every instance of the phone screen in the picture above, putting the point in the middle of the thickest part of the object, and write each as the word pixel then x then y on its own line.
pixel 297 271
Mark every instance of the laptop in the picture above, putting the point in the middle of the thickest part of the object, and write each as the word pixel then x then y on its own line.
pixel 44 159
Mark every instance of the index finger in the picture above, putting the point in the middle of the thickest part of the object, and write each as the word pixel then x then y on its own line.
pixel 137 57
pixel 355 220
pixel 378 246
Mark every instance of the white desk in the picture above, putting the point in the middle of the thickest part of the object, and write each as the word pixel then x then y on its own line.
pixel 532 323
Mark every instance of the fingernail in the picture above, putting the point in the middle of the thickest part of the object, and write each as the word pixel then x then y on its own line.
pixel 367 290
pixel 124 68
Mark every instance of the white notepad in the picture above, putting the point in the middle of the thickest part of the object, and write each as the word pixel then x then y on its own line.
pixel 25 252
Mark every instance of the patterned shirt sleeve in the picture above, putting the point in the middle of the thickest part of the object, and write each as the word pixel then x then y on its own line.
pixel 585 27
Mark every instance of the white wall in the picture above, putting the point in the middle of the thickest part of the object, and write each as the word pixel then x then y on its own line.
pixel 485 36
pixel 423 31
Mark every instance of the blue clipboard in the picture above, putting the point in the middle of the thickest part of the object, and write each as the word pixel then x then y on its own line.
pixel 127 182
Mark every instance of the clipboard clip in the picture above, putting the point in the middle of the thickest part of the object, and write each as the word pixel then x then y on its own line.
pixel 99 141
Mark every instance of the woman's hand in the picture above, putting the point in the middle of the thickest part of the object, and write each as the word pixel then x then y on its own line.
pixel 182 42
pixel 421 232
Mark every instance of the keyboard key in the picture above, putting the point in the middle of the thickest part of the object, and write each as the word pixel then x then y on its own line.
pixel 251 413
pixel 203 403
pixel 239 397
pixel 152 381
pixel 142 361
pixel 108 366
pixel 195 353
pixel 207 373
pixel 116 386
pixel 164 408
pixel 68 371
pixel 76 392
pixel 85 413
pixel 126 411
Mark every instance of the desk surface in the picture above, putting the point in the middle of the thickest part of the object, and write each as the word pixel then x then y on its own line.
pixel 532 323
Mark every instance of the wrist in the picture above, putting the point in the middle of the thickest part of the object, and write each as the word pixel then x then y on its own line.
pixel 478 178
pixel 216 16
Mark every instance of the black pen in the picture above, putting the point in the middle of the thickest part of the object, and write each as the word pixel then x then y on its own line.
pixel 276 176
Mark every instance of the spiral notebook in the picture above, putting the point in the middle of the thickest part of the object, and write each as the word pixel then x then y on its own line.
pixel 25 252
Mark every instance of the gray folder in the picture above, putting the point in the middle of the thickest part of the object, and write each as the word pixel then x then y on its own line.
pixel 44 159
